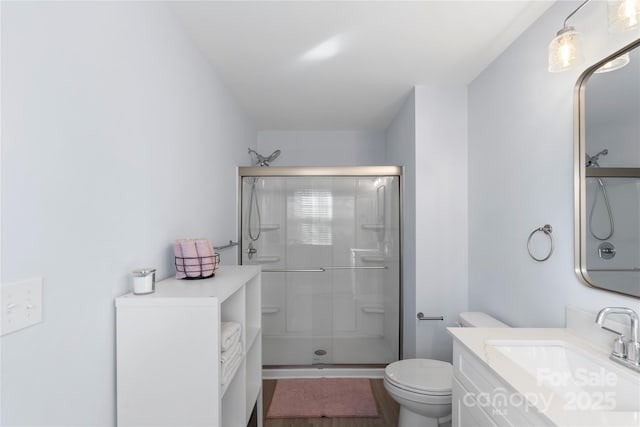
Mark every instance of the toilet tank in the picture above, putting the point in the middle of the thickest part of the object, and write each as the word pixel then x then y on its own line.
pixel 477 319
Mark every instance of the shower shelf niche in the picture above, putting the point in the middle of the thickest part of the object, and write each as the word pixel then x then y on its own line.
pixel 267 259
pixel 372 227
pixel 373 258
pixel 269 227
pixel 270 310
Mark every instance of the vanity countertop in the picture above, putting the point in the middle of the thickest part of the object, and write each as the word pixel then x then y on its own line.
pixel 568 405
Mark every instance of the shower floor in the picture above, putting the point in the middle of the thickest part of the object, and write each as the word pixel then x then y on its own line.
pixel 277 350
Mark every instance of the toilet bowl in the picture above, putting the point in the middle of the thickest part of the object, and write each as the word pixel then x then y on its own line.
pixel 422 387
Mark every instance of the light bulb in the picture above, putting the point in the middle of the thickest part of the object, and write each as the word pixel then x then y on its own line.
pixel 623 15
pixel 565 50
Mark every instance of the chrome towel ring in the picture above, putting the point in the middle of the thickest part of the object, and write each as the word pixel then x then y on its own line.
pixel 547 230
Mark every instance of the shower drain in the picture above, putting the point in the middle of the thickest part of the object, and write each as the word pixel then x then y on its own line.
pixel 320 352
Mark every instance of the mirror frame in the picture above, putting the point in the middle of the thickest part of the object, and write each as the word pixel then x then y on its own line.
pixel 579 147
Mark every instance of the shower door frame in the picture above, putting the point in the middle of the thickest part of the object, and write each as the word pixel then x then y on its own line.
pixel 332 171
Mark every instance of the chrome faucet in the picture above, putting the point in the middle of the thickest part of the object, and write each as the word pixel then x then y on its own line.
pixel 626 352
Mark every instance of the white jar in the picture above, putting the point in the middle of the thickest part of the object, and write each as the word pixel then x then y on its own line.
pixel 144 281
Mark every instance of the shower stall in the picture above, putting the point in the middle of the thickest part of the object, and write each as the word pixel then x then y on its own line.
pixel 328 240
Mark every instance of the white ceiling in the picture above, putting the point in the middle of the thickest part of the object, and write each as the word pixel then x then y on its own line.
pixel 384 48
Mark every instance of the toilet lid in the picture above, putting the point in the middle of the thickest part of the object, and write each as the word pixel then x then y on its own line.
pixel 421 375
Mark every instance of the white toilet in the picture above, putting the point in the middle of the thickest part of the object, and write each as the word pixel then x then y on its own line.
pixel 422 387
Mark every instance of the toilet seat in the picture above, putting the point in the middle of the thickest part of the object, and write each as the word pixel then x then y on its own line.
pixel 421 376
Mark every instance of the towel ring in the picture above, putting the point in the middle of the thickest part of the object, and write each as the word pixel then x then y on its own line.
pixel 547 229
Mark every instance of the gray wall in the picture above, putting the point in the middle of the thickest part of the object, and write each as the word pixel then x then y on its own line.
pixel 521 175
pixel 117 138
pixel 324 148
pixel 428 137
pixel 441 215
pixel 400 151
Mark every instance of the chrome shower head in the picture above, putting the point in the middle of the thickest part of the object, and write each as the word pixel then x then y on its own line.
pixel 273 156
pixel 262 160
pixel 592 161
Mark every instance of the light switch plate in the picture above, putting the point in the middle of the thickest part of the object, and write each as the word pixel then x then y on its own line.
pixel 21 304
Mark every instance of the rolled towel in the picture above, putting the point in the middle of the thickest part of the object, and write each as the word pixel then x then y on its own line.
pixel 177 251
pixel 204 250
pixel 191 258
pixel 229 334
pixel 230 354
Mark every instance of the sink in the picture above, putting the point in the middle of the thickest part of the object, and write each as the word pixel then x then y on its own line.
pixel 585 380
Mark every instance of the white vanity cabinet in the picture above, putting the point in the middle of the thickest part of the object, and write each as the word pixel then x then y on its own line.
pixel 168 352
pixel 480 398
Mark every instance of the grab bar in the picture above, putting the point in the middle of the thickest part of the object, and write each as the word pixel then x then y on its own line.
pixel 421 316
pixel 228 245
pixel 363 267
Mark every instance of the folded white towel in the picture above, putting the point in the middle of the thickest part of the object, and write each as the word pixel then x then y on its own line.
pixel 228 355
pixel 230 368
pixel 229 334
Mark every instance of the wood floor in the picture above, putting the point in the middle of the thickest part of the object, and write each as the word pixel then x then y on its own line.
pixel 387 411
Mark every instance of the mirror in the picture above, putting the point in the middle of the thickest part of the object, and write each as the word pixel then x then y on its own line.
pixel 607 173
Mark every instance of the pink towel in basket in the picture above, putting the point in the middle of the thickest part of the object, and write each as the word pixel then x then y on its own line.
pixel 205 252
pixel 194 258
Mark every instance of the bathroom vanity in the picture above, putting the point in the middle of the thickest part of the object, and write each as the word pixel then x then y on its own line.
pixel 169 352
pixel 538 377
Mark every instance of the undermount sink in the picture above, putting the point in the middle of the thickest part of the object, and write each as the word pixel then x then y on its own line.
pixel 585 380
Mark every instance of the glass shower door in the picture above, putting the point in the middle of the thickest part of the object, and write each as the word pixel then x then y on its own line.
pixel 329 249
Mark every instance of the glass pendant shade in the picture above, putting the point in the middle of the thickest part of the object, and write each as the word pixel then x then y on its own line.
pixel 623 15
pixel 614 64
pixel 565 50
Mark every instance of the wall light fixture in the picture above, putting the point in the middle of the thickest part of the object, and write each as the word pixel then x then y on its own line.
pixel 623 15
pixel 565 50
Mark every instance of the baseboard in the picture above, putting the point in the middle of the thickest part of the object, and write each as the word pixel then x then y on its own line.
pixel 272 374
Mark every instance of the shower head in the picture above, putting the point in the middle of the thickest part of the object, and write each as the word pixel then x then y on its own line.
pixel 592 161
pixel 262 160
pixel 274 156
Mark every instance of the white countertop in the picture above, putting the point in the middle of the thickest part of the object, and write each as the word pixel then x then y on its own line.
pixel 475 340
pixel 227 280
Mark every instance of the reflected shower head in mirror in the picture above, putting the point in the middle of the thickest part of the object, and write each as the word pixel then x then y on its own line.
pixel 592 162
pixel 262 160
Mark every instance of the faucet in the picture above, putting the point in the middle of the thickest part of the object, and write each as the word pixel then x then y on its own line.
pixel 626 352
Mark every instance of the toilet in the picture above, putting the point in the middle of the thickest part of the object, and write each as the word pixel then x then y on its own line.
pixel 422 387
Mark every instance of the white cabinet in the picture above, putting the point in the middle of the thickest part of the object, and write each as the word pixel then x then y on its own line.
pixel 168 352
pixel 480 398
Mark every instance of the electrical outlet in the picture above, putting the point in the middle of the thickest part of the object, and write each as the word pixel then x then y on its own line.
pixel 21 305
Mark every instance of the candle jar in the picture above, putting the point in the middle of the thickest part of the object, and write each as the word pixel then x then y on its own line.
pixel 144 281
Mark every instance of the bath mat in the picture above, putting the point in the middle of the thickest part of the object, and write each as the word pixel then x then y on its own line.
pixel 322 397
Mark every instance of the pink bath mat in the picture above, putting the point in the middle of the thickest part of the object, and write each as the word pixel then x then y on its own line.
pixel 322 397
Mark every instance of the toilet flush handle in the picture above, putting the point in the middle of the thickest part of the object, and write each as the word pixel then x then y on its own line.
pixel 421 316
